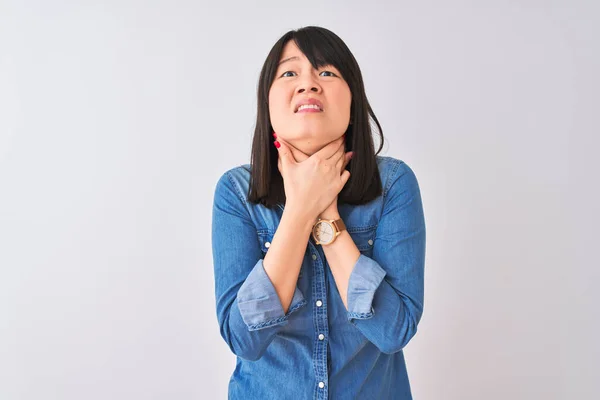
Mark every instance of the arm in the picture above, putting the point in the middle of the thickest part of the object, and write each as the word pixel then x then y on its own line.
pixel 341 256
pixel 385 291
pixel 248 289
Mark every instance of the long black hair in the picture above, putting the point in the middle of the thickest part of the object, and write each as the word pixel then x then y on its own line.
pixel 321 47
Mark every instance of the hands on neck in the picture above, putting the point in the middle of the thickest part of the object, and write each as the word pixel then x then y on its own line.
pixel 332 210
pixel 298 155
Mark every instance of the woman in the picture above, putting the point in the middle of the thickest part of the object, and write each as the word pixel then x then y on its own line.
pixel 319 243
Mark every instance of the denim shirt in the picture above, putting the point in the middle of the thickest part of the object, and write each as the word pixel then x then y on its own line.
pixel 319 349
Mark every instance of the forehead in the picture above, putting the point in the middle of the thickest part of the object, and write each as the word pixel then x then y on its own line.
pixel 291 50
pixel 292 53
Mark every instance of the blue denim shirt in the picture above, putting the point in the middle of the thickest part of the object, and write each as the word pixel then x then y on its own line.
pixel 319 349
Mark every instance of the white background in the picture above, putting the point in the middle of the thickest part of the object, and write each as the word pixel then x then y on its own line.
pixel 118 117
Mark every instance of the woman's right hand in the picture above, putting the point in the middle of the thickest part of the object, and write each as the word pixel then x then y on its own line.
pixel 313 184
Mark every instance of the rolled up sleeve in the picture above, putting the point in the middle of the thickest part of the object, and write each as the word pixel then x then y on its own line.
pixel 366 277
pixel 385 291
pixel 249 311
pixel 259 303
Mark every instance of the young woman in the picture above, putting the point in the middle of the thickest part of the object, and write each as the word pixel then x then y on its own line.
pixel 319 243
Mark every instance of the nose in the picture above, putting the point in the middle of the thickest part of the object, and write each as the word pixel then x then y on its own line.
pixel 309 84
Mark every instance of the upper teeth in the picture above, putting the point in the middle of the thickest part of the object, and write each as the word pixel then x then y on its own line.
pixel 302 107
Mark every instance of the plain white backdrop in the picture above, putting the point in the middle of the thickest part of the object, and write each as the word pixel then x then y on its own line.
pixel 118 117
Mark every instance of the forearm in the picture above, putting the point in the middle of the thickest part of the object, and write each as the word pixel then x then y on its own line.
pixel 394 322
pixel 342 256
pixel 283 260
pixel 246 343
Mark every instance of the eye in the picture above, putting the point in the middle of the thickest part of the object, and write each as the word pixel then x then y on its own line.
pixel 329 72
pixel 284 75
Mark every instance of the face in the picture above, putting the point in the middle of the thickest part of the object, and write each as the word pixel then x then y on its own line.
pixel 308 129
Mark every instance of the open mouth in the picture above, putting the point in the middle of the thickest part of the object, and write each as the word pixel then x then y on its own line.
pixel 309 108
pixel 309 104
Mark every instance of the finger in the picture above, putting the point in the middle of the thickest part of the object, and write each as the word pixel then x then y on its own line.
pixel 345 177
pixel 343 161
pixel 297 154
pixel 349 156
pixel 329 150
pixel 285 153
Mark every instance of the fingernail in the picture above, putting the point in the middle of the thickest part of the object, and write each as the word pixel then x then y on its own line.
pixel 276 143
pixel 351 154
pixel 274 135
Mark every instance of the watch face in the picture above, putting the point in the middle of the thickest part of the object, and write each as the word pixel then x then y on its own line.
pixel 324 232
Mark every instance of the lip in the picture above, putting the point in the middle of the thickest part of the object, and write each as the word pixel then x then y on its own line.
pixel 308 110
pixel 309 101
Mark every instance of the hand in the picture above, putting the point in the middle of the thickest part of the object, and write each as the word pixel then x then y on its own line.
pixel 312 183
pixel 331 212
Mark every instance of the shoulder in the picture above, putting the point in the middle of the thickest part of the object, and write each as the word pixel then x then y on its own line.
pixel 234 181
pixel 395 174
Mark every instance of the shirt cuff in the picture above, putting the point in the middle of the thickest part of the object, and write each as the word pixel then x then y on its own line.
pixel 365 278
pixel 259 303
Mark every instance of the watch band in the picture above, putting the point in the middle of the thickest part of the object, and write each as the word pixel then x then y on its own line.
pixel 339 225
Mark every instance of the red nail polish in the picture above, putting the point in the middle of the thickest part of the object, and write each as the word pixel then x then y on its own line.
pixel 277 144
pixel 274 135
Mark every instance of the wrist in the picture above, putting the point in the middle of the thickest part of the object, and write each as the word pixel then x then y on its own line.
pixel 299 216
pixel 331 212
pixel 330 215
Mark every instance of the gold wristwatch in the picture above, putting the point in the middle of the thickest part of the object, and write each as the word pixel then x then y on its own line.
pixel 325 231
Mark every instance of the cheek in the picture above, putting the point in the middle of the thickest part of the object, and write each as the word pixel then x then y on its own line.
pixel 348 98
pixel 343 94
pixel 277 108
pixel 344 102
pixel 276 100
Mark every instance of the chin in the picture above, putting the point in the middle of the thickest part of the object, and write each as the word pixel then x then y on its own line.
pixel 323 134
pixel 307 132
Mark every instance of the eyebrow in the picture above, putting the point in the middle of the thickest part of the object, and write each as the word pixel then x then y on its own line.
pixel 288 59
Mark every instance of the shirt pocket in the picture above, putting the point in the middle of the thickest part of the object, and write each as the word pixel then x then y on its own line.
pixel 364 239
pixel 265 237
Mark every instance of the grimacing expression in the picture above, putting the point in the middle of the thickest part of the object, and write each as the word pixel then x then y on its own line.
pixel 308 129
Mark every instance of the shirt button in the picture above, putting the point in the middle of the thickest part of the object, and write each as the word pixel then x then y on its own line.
pixel 314 257
pixel 321 385
pixel 370 242
pixel 321 336
pixel 319 303
pixel 267 244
